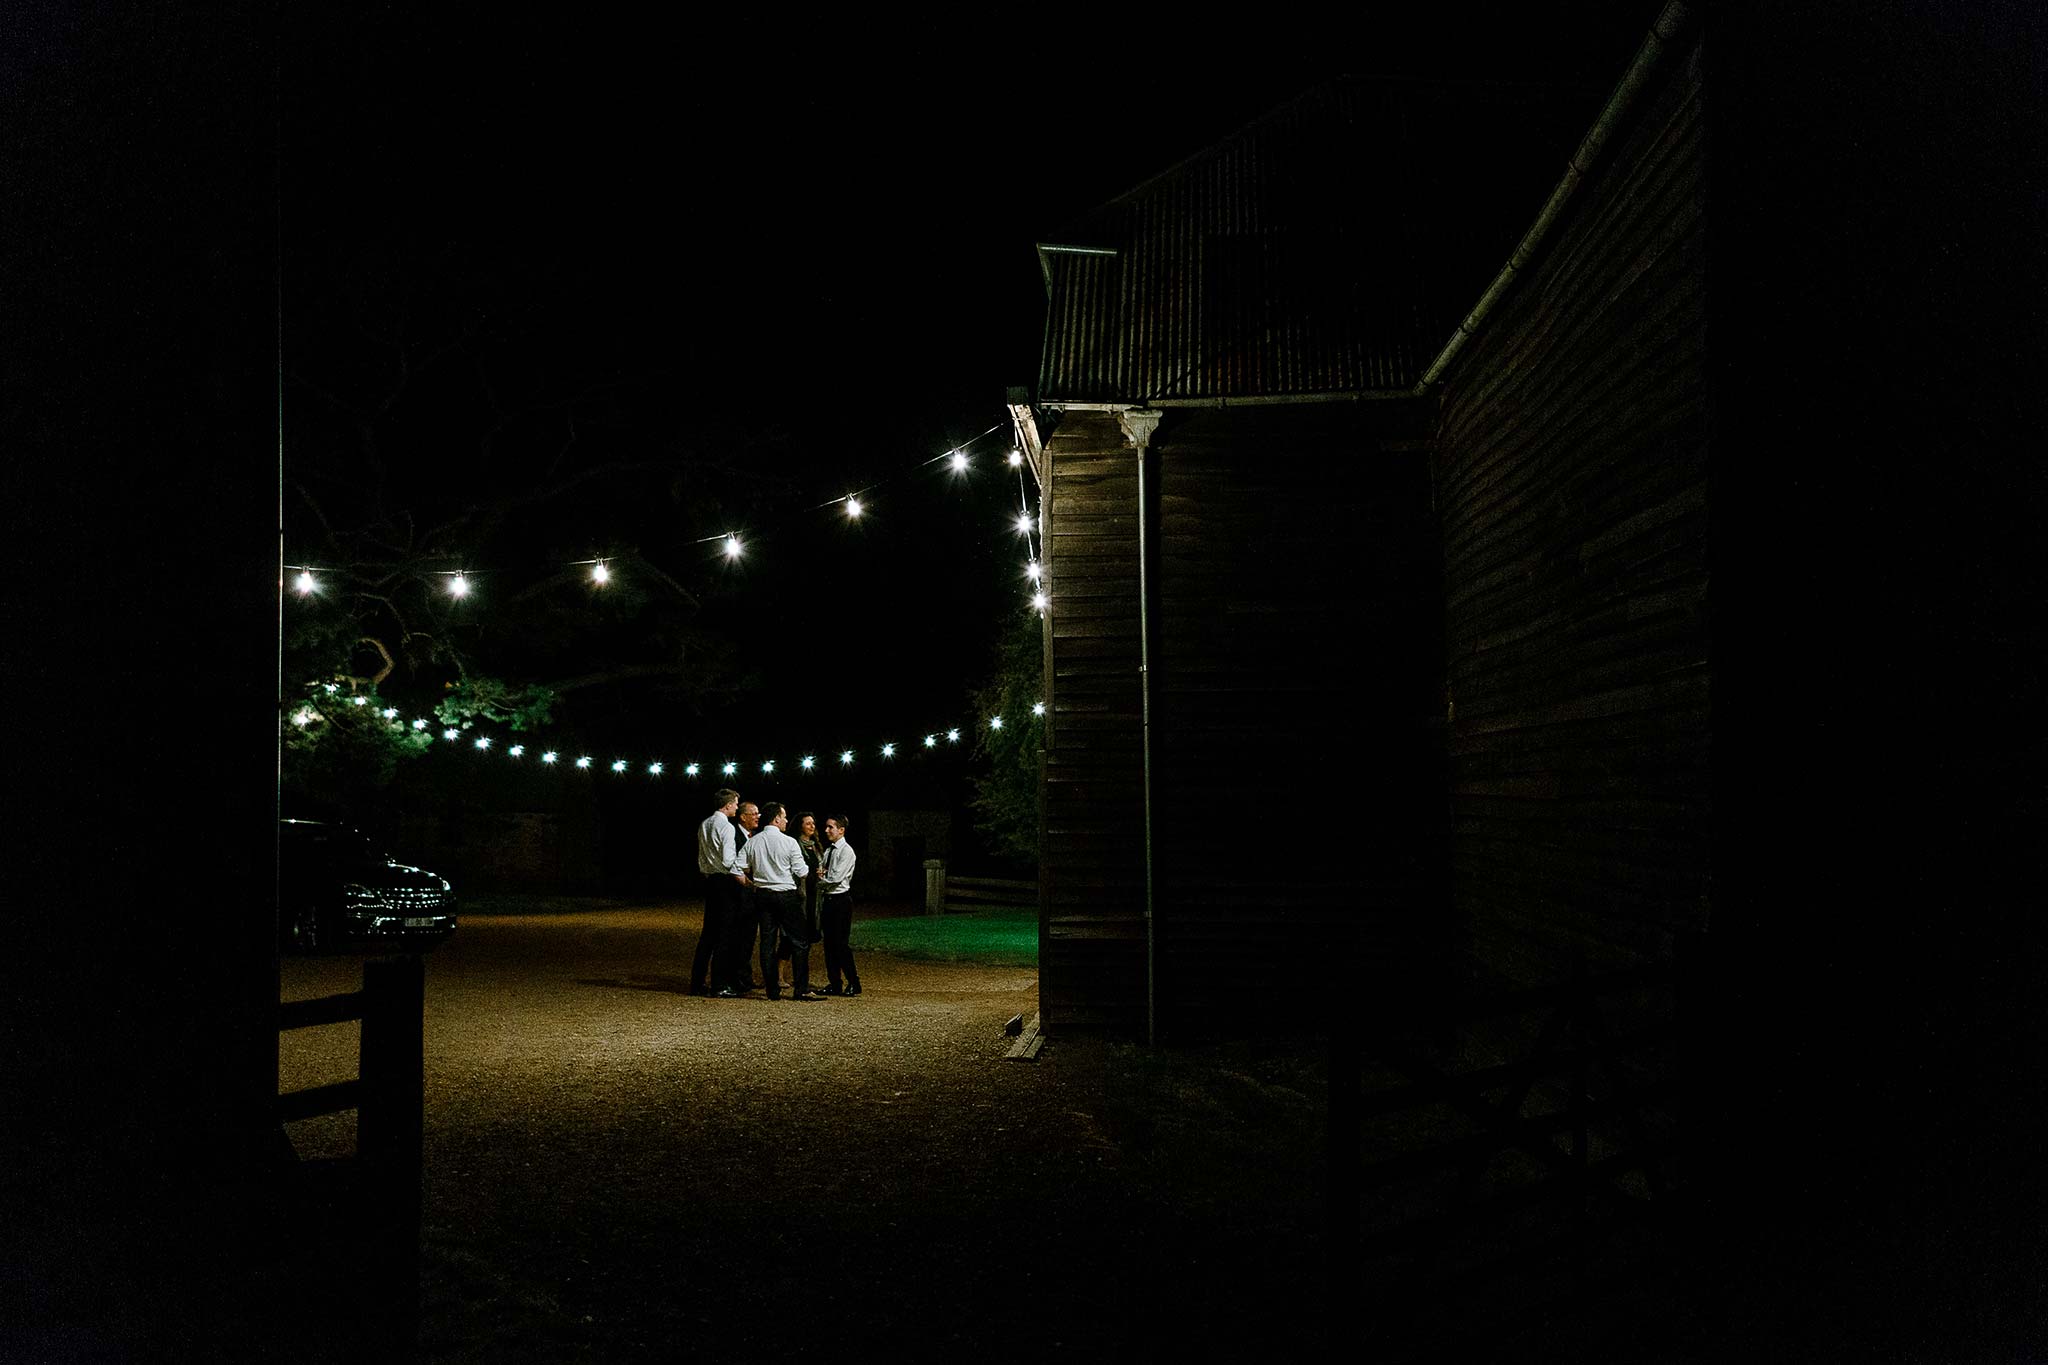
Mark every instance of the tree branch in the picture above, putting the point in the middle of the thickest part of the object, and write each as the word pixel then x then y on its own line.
pixel 389 664
pixel 623 674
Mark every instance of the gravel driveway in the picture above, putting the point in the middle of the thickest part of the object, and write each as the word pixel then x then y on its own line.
pixel 616 1170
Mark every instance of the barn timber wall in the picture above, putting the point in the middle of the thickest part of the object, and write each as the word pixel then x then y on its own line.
pixel 1091 864
pixel 1571 479
pixel 1297 801
pixel 1297 797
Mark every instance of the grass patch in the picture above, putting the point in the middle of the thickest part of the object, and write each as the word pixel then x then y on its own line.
pixel 996 938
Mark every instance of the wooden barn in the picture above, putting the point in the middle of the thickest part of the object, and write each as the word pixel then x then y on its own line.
pixel 1659 605
pixel 1376 567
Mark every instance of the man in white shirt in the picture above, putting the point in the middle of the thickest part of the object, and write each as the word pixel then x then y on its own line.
pixel 741 942
pixel 835 908
pixel 718 861
pixel 775 865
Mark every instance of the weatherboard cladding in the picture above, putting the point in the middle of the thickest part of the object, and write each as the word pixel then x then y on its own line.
pixel 1268 574
pixel 1092 871
pixel 1327 248
pixel 1571 477
pixel 1293 682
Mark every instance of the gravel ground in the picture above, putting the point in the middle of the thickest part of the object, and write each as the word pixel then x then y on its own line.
pixel 616 1170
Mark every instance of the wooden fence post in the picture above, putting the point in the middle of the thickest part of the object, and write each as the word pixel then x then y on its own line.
pixel 934 886
pixel 391 1119
pixel 393 1064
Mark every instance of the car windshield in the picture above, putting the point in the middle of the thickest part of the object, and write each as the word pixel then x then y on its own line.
pixel 336 845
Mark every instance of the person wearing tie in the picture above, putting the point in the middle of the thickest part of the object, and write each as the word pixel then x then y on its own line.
pixel 835 912
pixel 740 941
pixel 775 865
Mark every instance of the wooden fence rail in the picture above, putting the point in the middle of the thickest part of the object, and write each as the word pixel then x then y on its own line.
pixel 357 1220
pixel 388 1093
pixel 980 893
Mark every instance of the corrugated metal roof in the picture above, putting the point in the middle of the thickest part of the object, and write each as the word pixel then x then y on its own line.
pixel 1329 247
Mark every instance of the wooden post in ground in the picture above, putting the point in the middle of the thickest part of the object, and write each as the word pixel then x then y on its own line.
pixel 391 1119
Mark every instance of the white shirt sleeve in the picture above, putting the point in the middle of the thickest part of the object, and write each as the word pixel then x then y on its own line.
pixel 837 870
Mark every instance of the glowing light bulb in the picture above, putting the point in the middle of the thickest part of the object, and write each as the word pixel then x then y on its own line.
pixel 729 769
pixel 583 762
pixel 358 701
pixel 809 762
pixel 1031 571
pixel 846 755
pixel 1038 708
pixel 1038 600
pixel 451 733
pixel 732 547
pixel 549 757
pixel 995 722
pixel 304 582
pixel 483 742
pixel 853 508
pixel 599 573
pixel 389 713
pixel 931 741
pixel 952 736
pixel 302 718
pixel 618 765
pixel 458 586
pixel 1024 523
pixel 654 770
pixel 1016 458
pixel 769 766
pixel 332 688
pixel 959 461
pixel 517 750
pixel 419 725
pixel 689 770
pixel 888 751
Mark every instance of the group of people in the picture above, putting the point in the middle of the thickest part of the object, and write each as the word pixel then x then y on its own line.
pixel 787 893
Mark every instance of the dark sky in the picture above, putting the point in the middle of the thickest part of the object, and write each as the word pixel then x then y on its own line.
pixel 806 257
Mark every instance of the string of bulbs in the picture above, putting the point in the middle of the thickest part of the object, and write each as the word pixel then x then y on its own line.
pixel 310 714
pixel 306 582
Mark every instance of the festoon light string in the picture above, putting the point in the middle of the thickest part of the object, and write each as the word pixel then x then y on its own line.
pixel 312 713
pixel 305 580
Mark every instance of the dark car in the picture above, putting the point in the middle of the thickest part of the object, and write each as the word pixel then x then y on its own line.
pixel 335 889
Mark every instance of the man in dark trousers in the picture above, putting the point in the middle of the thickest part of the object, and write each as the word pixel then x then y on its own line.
pixel 740 939
pixel 835 908
pixel 775 865
pixel 718 860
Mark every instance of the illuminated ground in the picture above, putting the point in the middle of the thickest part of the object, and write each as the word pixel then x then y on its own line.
pixel 616 1170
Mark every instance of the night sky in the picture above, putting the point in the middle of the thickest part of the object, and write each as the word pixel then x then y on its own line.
pixel 788 267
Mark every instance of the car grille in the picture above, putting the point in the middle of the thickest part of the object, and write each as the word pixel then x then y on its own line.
pixel 410 899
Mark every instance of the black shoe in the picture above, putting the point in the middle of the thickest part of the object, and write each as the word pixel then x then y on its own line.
pixel 728 993
pixel 853 989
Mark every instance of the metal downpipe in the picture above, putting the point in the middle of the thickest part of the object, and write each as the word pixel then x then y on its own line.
pixel 1138 425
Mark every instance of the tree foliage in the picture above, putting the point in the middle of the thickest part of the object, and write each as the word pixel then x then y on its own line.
pixel 450 414
pixel 1006 798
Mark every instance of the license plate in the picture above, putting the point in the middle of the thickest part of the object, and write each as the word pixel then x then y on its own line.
pixel 420 923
